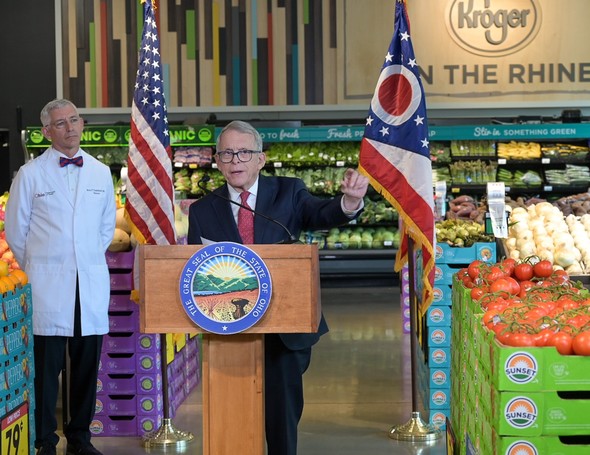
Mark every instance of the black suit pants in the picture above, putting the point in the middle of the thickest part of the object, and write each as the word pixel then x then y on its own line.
pixel 283 385
pixel 50 356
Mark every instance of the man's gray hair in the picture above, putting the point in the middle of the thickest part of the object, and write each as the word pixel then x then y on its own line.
pixel 242 127
pixel 55 104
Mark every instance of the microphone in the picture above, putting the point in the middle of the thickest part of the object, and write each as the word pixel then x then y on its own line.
pixel 202 185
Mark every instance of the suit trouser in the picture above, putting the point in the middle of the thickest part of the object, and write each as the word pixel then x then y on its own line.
pixel 283 385
pixel 50 353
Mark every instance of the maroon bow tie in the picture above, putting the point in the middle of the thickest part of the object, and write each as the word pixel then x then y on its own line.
pixel 78 161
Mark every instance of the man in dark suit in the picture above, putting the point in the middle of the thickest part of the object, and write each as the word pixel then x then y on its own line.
pixel 240 158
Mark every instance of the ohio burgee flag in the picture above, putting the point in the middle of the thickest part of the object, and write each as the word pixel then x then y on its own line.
pixel 150 191
pixel 394 152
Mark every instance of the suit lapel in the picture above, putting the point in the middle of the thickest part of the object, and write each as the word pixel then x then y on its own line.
pixel 264 200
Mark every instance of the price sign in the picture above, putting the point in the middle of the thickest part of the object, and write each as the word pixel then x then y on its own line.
pixel 496 205
pixel 15 431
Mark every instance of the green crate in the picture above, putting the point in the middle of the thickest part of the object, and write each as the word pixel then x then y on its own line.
pixel 539 414
pixel 537 369
pixel 543 445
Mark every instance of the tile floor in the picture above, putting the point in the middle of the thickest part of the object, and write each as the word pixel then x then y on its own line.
pixel 357 387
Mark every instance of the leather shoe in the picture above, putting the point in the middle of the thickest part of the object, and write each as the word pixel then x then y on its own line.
pixel 82 450
pixel 47 449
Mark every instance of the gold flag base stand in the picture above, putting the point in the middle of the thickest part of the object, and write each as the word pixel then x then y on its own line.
pixel 415 430
pixel 167 436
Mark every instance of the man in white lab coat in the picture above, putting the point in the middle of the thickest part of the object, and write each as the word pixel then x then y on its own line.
pixel 60 219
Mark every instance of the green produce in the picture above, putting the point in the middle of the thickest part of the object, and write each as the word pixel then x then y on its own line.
pixel 461 233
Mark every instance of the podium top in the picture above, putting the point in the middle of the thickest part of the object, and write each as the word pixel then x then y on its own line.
pixel 294 307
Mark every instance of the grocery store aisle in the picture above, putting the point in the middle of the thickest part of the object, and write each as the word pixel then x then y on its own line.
pixel 357 387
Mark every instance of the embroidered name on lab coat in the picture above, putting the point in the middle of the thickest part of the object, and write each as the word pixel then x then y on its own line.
pixel 47 193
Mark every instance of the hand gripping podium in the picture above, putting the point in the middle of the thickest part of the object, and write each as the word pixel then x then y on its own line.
pixel 232 365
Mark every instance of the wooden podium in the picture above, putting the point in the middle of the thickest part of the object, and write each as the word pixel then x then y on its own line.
pixel 232 365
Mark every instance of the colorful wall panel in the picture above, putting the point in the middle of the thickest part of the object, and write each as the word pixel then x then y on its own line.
pixel 215 52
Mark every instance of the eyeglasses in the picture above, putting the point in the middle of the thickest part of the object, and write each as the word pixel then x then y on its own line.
pixel 61 124
pixel 227 156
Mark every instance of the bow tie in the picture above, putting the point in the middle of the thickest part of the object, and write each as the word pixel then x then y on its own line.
pixel 78 161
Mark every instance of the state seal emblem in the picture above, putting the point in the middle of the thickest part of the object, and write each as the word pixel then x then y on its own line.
pixel 225 288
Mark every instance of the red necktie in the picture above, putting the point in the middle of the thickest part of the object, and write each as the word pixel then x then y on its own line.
pixel 246 220
pixel 78 161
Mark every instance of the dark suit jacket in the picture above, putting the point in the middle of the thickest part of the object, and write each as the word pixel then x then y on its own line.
pixel 281 198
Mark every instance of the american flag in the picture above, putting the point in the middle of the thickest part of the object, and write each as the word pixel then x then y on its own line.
pixel 150 191
pixel 394 150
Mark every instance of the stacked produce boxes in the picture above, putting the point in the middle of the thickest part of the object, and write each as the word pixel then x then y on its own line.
pixel 129 390
pixel 434 328
pixel 515 399
pixel 17 390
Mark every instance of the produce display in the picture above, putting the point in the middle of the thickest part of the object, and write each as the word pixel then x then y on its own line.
pixel 577 204
pixel 461 233
pixel 465 207
pixel 542 230
pixel 323 182
pixel 440 153
pixel 519 150
pixel 7 261
pixel 187 180
pixel 572 175
pixel 473 148
pixel 565 151
pixel 519 178
pixel 476 172
pixel 313 154
pixel 362 237
pixel 529 303
pixel 193 156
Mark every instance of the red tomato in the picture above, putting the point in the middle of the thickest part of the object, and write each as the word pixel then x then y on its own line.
pixel 543 269
pixel 505 286
pixel 508 266
pixel 562 342
pixel 523 272
pixel 493 274
pixel 524 287
pixel 474 268
pixel 488 318
pixel 581 343
pixel 519 339
pixel 478 293
pixel 560 277
pixel 542 337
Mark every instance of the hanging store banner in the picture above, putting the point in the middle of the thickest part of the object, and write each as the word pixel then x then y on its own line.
pixel 474 53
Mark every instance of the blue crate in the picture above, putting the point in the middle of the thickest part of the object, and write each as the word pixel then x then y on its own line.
pixel 483 251
pixel 438 316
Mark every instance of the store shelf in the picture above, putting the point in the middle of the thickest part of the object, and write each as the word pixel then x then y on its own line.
pixel 358 267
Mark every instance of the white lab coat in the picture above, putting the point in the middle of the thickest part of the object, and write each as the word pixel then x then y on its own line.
pixel 55 237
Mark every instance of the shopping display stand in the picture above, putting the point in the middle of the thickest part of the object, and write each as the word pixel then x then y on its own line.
pixel 233 365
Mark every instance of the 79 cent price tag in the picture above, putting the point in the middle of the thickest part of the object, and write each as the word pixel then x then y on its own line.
pixel 15 431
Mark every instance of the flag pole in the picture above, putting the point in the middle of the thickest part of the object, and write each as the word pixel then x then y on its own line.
pixel 415 430
pixel 167 435
pixel 149 205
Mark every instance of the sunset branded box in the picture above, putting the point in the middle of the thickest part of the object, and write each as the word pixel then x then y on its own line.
pixel 539 414
pixel 439 336
pixel 537 369
pixel 439 315
pixel 442 294
pixel 483 251
pixel 439 357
